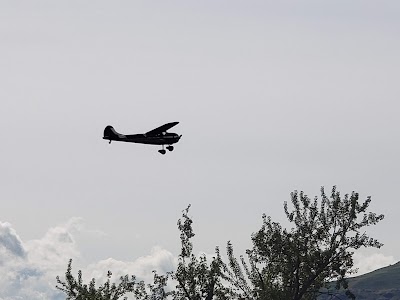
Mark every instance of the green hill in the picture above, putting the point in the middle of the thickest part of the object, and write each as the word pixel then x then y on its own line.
pixel 381 284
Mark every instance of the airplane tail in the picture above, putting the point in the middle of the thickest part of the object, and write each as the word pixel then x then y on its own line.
pixel 110 133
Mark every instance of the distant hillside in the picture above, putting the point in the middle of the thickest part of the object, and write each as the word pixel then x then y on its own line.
pixel 381 284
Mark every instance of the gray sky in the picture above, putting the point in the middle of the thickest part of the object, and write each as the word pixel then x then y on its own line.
pixel 271 97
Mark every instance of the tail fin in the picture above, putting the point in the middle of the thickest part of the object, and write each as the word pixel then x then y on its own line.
pixel 110 133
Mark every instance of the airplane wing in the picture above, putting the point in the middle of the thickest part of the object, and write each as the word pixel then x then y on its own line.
pixel 161 129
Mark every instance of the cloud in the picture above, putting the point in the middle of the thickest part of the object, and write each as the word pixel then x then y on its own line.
pixel 55 248
pixel 159 260
pixel 28 269
pixel 10 243
pixel 370 262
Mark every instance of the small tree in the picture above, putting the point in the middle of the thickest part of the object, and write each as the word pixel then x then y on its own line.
pixel 295 264
pixel 197 280
pixel 76 290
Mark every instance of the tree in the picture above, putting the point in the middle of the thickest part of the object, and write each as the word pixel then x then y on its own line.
pixel 76 290
pixel 283 264
pixel 197 280
pixel 295 264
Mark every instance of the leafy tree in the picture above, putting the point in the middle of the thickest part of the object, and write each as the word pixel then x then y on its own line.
pixel 75 289
pixel 295 264
pixel 155 290
pixel 283 264
pixel 197 280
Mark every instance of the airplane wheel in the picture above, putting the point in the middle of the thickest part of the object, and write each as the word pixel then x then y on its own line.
pixel 170 148
pixel 162 151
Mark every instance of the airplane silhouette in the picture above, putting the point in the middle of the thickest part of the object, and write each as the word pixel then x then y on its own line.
pixel 157 136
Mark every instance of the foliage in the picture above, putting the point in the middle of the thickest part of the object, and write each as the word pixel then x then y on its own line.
pixel 195 277
pixel 75 289
pixel 297 263
pixel 154 291
pixel 282 264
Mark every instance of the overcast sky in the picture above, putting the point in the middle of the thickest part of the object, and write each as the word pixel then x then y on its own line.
pixel 271 96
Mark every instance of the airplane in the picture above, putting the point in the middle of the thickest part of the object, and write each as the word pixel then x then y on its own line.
pixel 157 136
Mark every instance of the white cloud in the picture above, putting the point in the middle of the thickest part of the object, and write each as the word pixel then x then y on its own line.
pixel 29 269
pixel 58 245
pixel 370 262
pixel 159 260
pixel 10 243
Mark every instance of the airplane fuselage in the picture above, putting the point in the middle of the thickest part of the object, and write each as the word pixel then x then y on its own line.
pixel 162 139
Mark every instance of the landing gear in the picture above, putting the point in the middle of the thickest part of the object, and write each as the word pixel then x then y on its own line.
pixel 169 148
pixel 109 142
pixel 162 151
